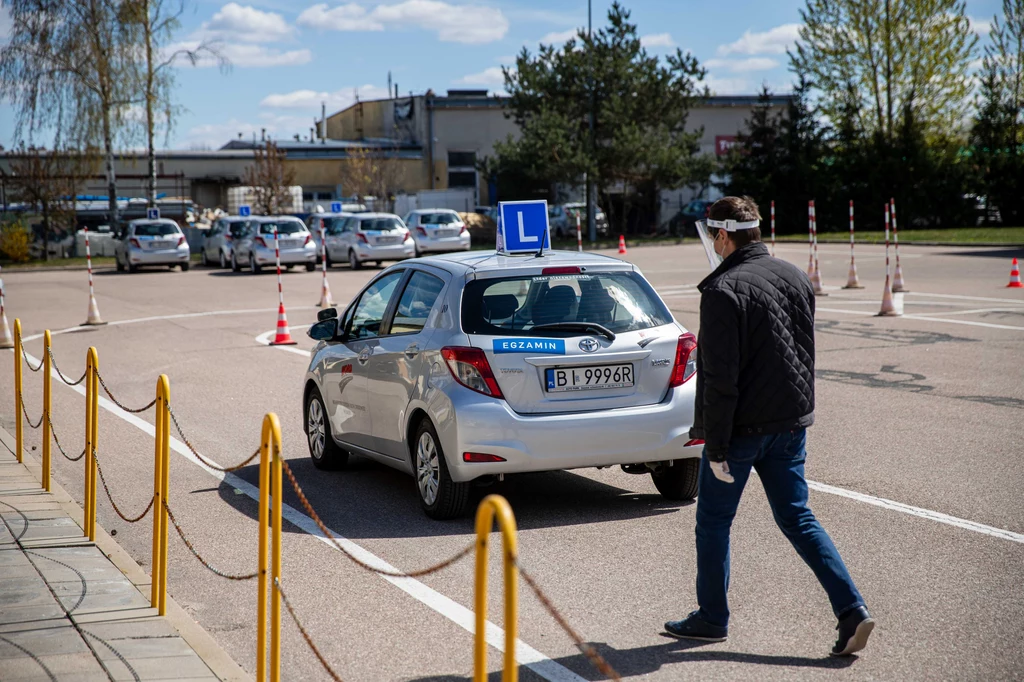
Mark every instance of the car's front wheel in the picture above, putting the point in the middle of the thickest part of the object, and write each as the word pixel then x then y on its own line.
pixel 679 481
pixel 441 497
pixel 254 267
pixel 310 267
pixel 223 261
pixel 206 261
pixel 235 267
pixel 353 261
pixel 324 452
pixel 185 266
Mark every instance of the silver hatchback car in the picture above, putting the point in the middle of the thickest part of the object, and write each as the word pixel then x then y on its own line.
pixel 257 246
pixel 151 242
pixel 467 367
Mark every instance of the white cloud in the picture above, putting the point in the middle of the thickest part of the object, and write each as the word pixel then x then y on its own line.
pixel 728 86
pixel 742 65
pixel 246 55
pixel 657 40
pixel 980 26
pixel 559 38
pixel 491 76
pixel 311 99
pixel 470 24
pixel 215 135
pixel 5 24
pixel 236 23
pixel 773 41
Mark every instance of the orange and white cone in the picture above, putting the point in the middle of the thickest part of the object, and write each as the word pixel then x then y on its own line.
pixel 1014 280
pixel 6 339
pixel 325 296
pixel 897 278
pixel 622 245
pixel 819 290
pixel 284 335
pixel 888 307
pixel 93 316
pixel 852 281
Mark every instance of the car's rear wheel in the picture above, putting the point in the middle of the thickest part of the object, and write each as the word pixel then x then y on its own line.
pixel 353 261
pixel 235 267
pixel 310 267
pixel 324 452
pixel 441 497
pixel 679 481
pixel 206 261
pixel 185 266
pixel 223 261
pixel 254 267
pixel 120 265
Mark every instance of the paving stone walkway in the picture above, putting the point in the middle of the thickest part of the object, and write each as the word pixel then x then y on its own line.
pixel 66 611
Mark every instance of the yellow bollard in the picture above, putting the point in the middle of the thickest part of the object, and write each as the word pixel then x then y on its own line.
pixel 491 506
pixel 92 404
pixel 161 471
pixel 46 410
pixel 19 436
pixel 90 386
pixel 270 467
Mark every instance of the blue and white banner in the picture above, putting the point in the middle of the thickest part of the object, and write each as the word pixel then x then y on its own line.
pixel 544 346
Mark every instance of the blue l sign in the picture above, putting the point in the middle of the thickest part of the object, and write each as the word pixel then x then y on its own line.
pixel 153 213
pixel 524 226
pixel 244 210
pixel 335 207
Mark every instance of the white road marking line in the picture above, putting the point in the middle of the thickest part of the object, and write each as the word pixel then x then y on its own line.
pixel 918 511
pixel 969 298
pixel 841 310
pixel 450 609
pixel 264 339
pixel 966 322
pixel 977 311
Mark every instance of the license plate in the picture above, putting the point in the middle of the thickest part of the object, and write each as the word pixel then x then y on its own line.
pixel 387 240
pixel 561 379
pixel 447 232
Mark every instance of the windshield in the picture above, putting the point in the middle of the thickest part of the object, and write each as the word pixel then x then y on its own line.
pixel 380 224
pixel 439 218
pixel 620 301
pixel 155 229
pixel 283 227
pixel 334 225
pixel 239 228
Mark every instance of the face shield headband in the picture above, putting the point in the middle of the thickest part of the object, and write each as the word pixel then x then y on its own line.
pixel 732 225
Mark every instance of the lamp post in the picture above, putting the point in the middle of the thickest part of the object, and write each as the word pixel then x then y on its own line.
pixel 591 190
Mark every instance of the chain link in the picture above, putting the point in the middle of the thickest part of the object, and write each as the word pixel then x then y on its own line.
pixel 118 403
pixel 380 571
pixel 24 411
pixel 595 658
pixel 305 635
pixel 53 433
pixel 53 362
pixel 204 562
pixel 29 363
pixel 113 504
pixel 204 460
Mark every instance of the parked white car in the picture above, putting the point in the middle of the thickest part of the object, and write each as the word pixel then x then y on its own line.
pixel 151 242
pixel 437 230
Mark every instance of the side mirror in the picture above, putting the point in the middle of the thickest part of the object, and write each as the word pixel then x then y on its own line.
pixel 325 330
pixel 327 314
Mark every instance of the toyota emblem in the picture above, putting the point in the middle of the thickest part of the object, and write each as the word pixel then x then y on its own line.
pixel 589 345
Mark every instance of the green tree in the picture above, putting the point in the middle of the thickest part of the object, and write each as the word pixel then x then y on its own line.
pixel 903 56
pixel 640 140
pixel 752 165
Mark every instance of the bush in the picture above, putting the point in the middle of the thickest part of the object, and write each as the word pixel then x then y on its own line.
pixel 15 240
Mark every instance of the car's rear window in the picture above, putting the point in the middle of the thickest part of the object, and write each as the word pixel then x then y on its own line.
pixel 620 301
pixel 439 218
pixel 283 227
pixel 239 228
pixel 380 224
pixel 155 229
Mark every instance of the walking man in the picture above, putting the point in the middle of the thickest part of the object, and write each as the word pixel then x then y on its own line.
pixel 755 399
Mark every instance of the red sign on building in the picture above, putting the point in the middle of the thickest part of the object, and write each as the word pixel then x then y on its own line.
pixel 723 143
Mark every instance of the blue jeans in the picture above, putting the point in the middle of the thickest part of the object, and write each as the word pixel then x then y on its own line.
pixel 779 461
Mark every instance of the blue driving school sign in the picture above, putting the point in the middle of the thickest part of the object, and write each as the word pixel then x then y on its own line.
pixel 244 210
pixel 523 226
pixel 153 213
pixel 335 207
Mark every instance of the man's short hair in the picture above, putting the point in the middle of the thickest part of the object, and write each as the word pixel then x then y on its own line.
pixel 740 209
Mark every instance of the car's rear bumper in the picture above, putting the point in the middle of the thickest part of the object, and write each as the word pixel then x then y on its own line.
pixel 160 257
pixel 288 256
pixel 443 245
pixel 475 423
pixel 390 252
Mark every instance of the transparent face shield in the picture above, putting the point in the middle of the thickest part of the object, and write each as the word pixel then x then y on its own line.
pixel 707 240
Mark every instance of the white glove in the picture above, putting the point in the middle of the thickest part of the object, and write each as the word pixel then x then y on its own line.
pixel 721 471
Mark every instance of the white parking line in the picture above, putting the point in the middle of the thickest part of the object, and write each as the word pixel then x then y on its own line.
pixel 966 322
pixel 264 339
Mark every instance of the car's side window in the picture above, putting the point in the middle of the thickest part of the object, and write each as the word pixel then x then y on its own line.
pixel 373 304
pixel 417 301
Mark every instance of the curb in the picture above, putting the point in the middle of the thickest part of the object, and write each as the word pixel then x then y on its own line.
pixel 984 245
pixel 205 646
pixel 11 269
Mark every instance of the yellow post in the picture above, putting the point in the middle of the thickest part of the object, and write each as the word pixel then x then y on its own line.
pixel 270 448
pixel 90 387
pixel 160 446
pixel 275 563
pixel 491 506
pixel 19 436
pixel 46 410
pixel 165 476
pixel 93 408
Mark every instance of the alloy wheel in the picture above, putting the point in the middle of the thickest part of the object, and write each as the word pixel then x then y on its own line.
pixel 428 469
pixel 315 429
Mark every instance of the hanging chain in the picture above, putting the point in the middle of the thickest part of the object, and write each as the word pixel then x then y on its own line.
pixel 204 562
pixel 53 433
pixel 29 363
pixel 24 411
pixel 113 504
pixel 53 362
pixel 118 403
pixel 305 635
pixel 209 463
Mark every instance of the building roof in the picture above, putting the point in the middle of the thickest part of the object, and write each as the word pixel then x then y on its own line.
pixel 332 149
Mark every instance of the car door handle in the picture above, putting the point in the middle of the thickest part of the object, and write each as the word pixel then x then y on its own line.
pixel 412 351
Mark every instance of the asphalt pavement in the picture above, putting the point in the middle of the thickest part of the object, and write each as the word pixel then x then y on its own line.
pixel 914 458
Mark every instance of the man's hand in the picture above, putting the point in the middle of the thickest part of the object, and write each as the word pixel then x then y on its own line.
pixel 721 471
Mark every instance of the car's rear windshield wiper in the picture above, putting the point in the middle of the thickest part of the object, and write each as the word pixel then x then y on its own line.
pixel 579 326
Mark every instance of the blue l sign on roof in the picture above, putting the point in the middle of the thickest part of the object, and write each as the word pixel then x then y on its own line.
pixel 524 226
pixel 244 210
pixel 335 207
pixel 153 213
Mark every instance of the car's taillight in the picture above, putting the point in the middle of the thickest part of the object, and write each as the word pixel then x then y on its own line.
pixel 135 242
pixel 228 237
pixel 694 442
pixel 463 229
pixel 309 238
pixel 480 457
pixel 362 237
pixel 686 360
pixel 260 242
pixel 181 240
pixel 422 231
pixel 470 368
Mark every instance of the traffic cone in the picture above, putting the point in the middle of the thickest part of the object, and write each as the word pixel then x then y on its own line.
pixel 325 296
pixel 6 339
pixel 852 281
pixel 93 317
pixel 810 267
pixel 284 336
pixel 622 245
pixel 1014 281
pixel 888 307
pixel 819 290
pixel 897 279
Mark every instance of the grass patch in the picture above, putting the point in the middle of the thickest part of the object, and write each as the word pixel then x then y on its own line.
pixel 1008 236
pixel 97 262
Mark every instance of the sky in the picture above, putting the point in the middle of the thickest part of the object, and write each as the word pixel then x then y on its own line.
pixel 289 56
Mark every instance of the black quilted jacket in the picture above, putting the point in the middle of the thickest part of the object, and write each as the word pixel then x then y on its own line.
pixel 755 352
